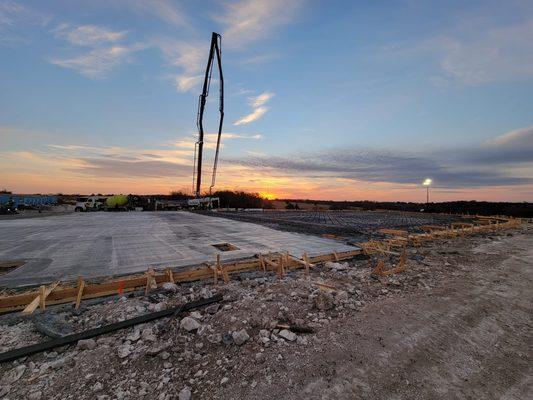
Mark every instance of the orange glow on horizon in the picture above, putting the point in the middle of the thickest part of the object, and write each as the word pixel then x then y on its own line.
pixel 267 196
pixel 40 173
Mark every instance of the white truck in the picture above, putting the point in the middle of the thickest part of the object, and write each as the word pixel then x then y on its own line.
pixel 91 203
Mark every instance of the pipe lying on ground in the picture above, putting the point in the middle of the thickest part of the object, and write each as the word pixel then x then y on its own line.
pixel 70 339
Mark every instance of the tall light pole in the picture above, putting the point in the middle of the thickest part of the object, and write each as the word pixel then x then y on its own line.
pixel 427 183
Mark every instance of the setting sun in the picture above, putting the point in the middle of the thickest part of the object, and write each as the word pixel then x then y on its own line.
pixel 267 196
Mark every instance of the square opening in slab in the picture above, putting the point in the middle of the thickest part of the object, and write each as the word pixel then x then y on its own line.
pixel 8 266
pixel 225 246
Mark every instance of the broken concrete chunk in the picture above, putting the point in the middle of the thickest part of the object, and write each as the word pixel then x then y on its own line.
pixel 196 315
pixel 124 351
pixel 35 395
pixel 324 301
pixel 215 338
pixel 336 266
pixel 169 287
pixel 240 337
pixel 134 336
pixel 98 387
pixel 185 394
pixel 264 333
pixel 287 335
pixel 156 307
pixel 86 344
pixel 212 309
pixel 189 324
pixel 148 335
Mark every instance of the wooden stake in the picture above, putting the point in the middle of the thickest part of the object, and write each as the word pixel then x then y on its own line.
pixel 225 274
pixel 215 275
pixel 379 268
pixel 40 299
pixel 262 262
pixel 170 275
pixel 81 286
pixel 336 256
pixel 151 283
pixel 306 260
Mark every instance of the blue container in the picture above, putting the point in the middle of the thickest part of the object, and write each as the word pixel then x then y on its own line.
pixel 36 200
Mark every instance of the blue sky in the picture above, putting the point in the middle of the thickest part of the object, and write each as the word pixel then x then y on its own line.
pixel 340 99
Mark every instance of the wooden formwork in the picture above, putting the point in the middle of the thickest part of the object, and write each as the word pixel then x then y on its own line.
pixel 75 293
pixel 279 263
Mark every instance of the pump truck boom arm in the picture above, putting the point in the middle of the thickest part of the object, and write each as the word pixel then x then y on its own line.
pixel 215 49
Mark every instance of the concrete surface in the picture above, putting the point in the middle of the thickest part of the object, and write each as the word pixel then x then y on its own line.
pixel 100 244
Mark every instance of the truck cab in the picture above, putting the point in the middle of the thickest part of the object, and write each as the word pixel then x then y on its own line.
pixel 91 203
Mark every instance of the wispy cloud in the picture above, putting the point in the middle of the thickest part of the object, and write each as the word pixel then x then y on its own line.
pixel 10 12
pixel 12 15
pixel 253 116
pixel 259 108
pixel 479 166
pixel 189 141
pixel 190 57
pixel 485 52
pixel 261 99
pixel 517 139
pixel 186 83
pixel 165 10
pixel 247 21
pixel 107 49
pixel 227 135
pixel 113 167
pixel 97 63
pixel 88 35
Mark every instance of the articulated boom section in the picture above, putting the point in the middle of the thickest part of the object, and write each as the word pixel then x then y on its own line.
pixel 215 50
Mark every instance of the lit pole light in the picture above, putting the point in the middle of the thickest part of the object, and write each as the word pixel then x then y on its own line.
pixel 427 183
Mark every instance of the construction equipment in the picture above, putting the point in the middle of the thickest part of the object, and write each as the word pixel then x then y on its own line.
pixel 215 49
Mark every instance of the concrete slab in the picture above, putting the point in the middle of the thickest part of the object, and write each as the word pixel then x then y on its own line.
pixel 101 244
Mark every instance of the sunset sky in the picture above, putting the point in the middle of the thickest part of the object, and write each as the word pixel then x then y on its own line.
pixel 342 100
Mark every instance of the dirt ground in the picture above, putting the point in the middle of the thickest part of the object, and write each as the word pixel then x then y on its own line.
pixel 457 324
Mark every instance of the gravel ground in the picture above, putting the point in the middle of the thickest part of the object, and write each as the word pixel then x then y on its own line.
pixel 457 323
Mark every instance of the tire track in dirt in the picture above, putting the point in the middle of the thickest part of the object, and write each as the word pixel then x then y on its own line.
pixel 471 338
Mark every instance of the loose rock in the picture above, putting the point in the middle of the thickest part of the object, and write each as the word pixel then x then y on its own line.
pixel 287 335
pixel 189 324
pixel 185 394
pixel 240 337
pixel 86 344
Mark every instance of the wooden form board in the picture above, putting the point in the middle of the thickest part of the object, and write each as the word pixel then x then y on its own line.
pixel 397 232
pixel 67 294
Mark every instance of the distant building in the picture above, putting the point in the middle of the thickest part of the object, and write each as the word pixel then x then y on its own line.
pixel 27 200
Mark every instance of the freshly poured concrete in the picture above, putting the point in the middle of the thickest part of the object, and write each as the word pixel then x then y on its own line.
pixel 99 244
